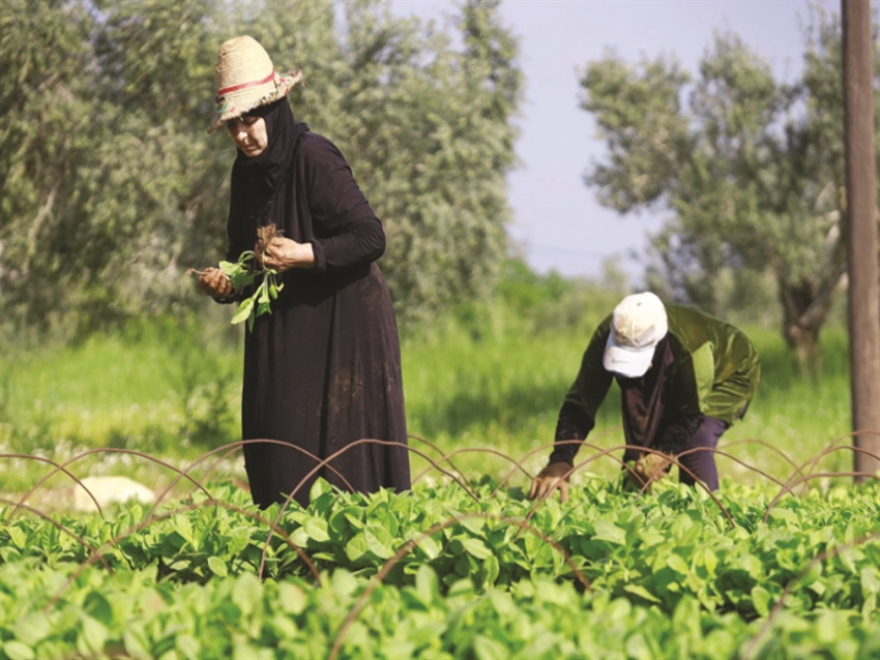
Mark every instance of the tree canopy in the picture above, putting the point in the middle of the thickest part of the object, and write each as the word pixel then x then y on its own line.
pixel 110 187
pixel 748 168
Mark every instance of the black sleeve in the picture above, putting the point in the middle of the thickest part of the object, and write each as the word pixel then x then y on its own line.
pixel 573 424
pixel 234 297
pixel 349 233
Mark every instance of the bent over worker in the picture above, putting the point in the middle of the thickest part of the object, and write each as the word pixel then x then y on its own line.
pixel 684 378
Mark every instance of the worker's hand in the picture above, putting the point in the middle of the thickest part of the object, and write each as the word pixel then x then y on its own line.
pixel 213 282
pixel 649 468
pixel 283 254
pixel 550 478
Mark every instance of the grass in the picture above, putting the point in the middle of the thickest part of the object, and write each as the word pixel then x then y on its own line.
pixel 505 393
pixel 165 390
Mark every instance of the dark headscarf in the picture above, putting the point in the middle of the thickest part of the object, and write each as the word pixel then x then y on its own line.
pixel 256 179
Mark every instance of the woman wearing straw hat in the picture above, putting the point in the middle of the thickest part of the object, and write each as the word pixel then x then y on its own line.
pixel 323 370
pixel 684 378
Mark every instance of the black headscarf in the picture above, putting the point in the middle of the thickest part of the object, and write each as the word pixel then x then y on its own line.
pixel 256 179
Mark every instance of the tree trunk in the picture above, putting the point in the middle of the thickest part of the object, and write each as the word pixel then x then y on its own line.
pixel 805 342
pixel 805 306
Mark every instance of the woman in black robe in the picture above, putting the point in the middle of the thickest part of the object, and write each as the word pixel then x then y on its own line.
pixel 322 371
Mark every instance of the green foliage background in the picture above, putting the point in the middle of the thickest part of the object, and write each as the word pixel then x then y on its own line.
pixel 110 188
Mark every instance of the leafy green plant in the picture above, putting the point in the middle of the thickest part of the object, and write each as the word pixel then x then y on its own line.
pixel 243 272
pixel 654 551
pixel 258 303
pixel 669 578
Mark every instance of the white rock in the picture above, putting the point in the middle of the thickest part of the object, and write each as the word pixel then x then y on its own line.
pixel 109 490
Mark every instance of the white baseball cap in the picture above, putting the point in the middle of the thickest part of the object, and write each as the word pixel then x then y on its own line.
pixel 637 326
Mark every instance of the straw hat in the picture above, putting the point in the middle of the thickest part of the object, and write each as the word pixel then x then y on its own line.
pixel 246 79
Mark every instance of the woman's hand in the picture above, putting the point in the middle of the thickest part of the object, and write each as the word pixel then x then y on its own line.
pixel 550 478
pixel 283 254
pixel 213 282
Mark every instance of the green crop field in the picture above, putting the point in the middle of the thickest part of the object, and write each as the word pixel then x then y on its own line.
pixel 445 573
pixel 464 566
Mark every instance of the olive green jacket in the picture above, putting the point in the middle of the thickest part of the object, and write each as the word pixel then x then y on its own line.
pixel 715 368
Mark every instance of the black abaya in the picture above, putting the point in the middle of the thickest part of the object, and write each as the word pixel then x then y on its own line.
pixel 323 370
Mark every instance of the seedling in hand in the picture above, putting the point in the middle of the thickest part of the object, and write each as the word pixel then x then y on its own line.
pixel 243 272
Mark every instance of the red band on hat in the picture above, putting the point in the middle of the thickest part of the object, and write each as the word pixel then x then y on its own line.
pixel 235 88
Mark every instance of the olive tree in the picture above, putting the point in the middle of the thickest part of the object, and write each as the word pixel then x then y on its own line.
pixel 748 169
pixel 111 187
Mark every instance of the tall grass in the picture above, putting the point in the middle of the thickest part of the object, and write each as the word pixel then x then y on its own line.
pixel 498 384
pixel 505 393
pixel 156 387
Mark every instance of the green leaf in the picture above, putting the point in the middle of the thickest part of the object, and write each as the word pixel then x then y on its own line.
pixel 761 600
pixel 32 628
pixel 263 293
pixel 97 606
pixel 242 279
pixel 319 487
pixel 218 567
pixel 357 547
pixel 94 633
pixel 429 546
pixel 343 583
pixel 473 525
pixel 638 649
pixel 489 649
pixel 784 515
pixel 239 539
pixel 135 642
pixel 490 571
pixel 476 548
pixel 828 627
pixel 641 592
pixel 316 528
pixel 338 522
pixel 244 311
pixel 18 651
pixel 870 582
pixel 183 526
pixel 677 564
pixel 353 516
pixel 427 586
pixel 752 565
pixel 188 646
pixel 238 273
pixel 710 561
pixel 608 531
pixel 847 558
pixel 19 538
pixel 379 541
pixel 247 592
pixel 293 599
pixel 651 536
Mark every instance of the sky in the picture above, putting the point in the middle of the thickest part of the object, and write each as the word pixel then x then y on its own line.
pixel 558 223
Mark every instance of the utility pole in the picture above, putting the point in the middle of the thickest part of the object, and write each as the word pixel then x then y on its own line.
pixel 861 214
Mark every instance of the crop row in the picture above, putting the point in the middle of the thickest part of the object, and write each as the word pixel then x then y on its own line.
pixel 129 614
pixel 656 550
